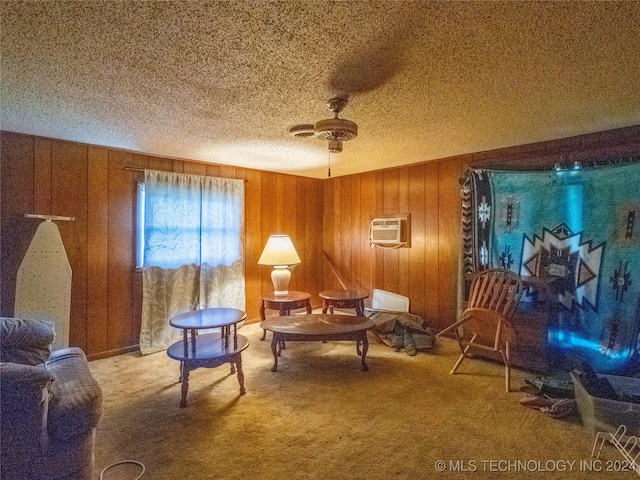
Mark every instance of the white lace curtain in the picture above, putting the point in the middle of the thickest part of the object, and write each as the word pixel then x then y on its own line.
pixel 193 250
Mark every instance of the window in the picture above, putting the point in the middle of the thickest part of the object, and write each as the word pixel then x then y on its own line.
pixel 194 221
pixel 190 237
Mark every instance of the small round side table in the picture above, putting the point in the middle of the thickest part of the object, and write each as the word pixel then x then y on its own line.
pixel 208 350
pixel 344 299
pixel 284 304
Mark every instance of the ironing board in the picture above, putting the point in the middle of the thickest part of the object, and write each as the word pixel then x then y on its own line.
pixel 43 286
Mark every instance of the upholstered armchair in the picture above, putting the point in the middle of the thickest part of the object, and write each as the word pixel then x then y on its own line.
pixel 50 405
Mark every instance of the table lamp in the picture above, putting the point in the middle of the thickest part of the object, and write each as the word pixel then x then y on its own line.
pixel 280 253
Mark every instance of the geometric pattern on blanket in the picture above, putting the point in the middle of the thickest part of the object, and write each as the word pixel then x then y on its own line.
pixel 578 232
pixel 573 265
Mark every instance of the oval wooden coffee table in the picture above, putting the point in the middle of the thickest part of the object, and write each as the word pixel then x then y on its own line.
pixel 208 350
pixel 318 328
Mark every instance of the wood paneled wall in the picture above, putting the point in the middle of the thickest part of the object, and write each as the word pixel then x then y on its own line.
pixel 90 183
pixel 427 272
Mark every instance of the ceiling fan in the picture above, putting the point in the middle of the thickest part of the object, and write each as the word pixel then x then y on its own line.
pixel 335 130
pixel 361 72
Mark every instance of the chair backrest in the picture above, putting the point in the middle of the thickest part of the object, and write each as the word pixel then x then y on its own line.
pixel 497 290
pixel 393 302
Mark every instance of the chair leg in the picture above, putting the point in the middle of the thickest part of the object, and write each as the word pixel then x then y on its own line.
pixel 507 366
pixel 507 378
pixel 463 355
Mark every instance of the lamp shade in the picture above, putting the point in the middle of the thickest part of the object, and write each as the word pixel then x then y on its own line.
pixel 279 251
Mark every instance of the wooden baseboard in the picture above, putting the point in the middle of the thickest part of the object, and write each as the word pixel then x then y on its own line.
pixel 113 353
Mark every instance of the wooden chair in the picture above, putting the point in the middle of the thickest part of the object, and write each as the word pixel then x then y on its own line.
pixel 493 297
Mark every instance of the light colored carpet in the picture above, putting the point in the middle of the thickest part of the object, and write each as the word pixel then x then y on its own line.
pixel 321 416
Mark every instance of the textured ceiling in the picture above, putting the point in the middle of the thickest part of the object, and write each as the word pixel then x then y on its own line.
pixel 222 81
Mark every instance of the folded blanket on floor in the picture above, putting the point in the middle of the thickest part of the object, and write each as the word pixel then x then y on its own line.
pixel 402 331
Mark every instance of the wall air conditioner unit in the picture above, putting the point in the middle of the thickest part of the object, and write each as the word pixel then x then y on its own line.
pixel 388 232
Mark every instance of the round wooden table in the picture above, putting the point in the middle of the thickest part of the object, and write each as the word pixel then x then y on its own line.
pixel 211 349
pixel 344 299
pixel 284 304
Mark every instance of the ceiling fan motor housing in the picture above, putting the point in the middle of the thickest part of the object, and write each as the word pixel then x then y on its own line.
pixel 334 130
pixel 337 129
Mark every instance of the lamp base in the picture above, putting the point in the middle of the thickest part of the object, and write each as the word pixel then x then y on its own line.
pixel 280 277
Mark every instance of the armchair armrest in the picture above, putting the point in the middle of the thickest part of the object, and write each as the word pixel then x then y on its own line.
pixel 76 398
pixel 18 376
pixel 26 341
pixel 24 406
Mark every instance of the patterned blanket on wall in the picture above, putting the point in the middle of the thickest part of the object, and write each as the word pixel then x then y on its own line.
pixel 574 233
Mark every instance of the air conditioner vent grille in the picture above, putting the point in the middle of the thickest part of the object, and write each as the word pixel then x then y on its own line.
pixel 390 232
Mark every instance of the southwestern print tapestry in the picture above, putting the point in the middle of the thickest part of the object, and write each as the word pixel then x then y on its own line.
pixel 574 234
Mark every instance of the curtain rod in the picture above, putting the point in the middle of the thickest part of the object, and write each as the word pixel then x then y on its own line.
pixel 136 169
pixel 48 217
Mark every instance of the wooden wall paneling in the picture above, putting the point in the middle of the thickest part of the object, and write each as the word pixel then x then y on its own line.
pixel 121 255
pixel 318 211
pixel 312 224
pixel 359 234
pixel 417 271
pixel 378 260
pixel 301 271
pixel 17 189
pixel 269 222
pixel 97 250
pixel 589 148
pixel 310 221
pixel 346 227
pixel 366 254
pixel 213 171
pixel 253 243
pixel 449 239
pixel 161 164
pixel 327 239
pixel 177 166
pixel 291 202
pixel 404 280
pixel 335 253
pixel 280 200
pixel 194 168
pixel 240 173
pixel 391 277
pixel 42 168
pixel 299 274
pixel 431 241
pixel 69 197
pixel 337 214
pixel 227 171
pixel 29 179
